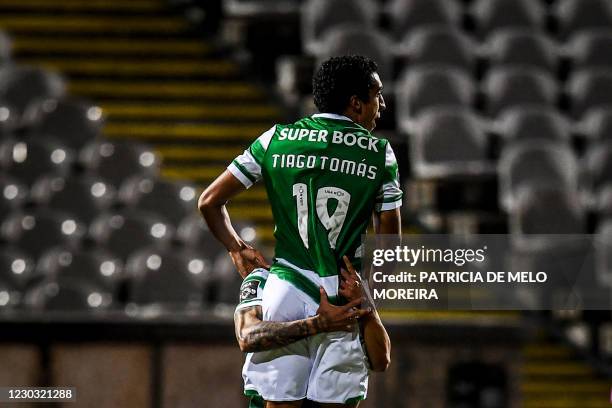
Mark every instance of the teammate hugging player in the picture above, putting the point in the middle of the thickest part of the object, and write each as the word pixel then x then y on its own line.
pixel 325 176
pixel 253 334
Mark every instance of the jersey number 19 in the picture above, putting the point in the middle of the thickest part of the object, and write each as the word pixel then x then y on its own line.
pixel 332 222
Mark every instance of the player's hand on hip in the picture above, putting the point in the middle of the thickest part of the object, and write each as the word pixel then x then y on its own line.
pixel 338 318
pixel 246 259
pixel 350 283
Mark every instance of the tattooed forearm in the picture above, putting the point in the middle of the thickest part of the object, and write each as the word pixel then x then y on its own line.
pixel 253 334
pixel 269 335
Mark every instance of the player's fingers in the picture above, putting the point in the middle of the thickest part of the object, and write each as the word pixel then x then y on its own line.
pixel 262 260
pixel 345 275
pixel 350 285
pixel 357 277
pixel 323 294
pixel 353 303
pixel 353 275
pixel 348 264
pixel 242 269
pixel 344 292
pixel 254 254
pixel 361 312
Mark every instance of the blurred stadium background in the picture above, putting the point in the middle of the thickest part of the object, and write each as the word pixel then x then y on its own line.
pixel 115 114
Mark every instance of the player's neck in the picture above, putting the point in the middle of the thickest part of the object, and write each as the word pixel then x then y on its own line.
pixel 353 116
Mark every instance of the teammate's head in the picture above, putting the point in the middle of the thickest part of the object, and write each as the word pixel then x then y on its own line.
pixel 349 85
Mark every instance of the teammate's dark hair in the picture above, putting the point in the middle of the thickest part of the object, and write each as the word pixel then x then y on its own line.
pixel 339 78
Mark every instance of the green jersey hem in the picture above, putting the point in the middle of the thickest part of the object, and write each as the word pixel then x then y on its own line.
pixel 355 400
pixel 301 283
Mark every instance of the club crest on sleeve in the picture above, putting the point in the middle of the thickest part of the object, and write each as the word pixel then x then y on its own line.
pixel 248 290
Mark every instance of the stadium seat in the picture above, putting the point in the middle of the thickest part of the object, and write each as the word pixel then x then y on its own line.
pixel 547 229
pixel 67 297
pixel 575 15
pixel 544 209
pixel 38 231
pixel 490 15
pixel 603 252
pixel 568 263
pixel 598 166
pixel 420 88
pixel 247 231
pixel 469 382
pixel 406 15
pixel 10 298
pixel 589 89
pixel 72 122
pixel 535 163
pixel 508 87
pixel 16 267
pixel 603 203
pixel 116 161
pixel 12 194
pixel 591 49
pixel 90 267
pixel 354 40
pixel 5 48
pixel 225 283
pixel 169 278
pixel 252 10
pixel 439 45
pixel 521 47
pixel 126 231
pixel 84 197
pixel 528 123
pixel 171 199
pixel 319 16
pixel 194 233
pixel 28 160
pixel 597 124
pixel 9 122
pixel 449 142
pixel 22 85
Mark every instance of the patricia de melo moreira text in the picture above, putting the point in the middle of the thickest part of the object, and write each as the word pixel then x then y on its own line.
pixel 411 257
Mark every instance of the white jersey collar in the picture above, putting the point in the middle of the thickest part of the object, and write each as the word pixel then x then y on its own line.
pixel 331 116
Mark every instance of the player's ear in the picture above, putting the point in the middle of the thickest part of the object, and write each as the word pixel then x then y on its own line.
pixel 356 104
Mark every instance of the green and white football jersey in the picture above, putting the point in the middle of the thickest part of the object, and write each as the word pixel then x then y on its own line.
pixel 324 176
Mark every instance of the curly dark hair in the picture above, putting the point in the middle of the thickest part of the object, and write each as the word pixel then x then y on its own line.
pixel 339 78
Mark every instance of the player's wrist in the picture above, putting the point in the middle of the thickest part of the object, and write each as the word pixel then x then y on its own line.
pixel 318 324
pixel 371 317
pixel 236 246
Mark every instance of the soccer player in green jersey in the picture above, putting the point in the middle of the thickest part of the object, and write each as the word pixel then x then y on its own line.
pixel 253 334
pixel 325 176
